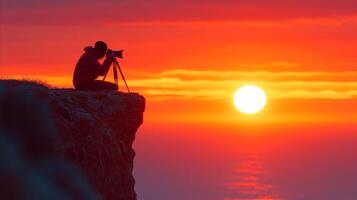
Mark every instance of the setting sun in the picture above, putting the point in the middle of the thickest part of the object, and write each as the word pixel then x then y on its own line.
pixel 249 99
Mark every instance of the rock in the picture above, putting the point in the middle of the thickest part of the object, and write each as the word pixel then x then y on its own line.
pixel 93 130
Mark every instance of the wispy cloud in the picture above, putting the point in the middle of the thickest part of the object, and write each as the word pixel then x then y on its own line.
pixel 252 75
pixel 325 21
pixel 208 84
pixel 215 85
pixel 218 89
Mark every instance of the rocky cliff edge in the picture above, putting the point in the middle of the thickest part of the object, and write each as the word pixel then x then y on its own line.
pixel 93 131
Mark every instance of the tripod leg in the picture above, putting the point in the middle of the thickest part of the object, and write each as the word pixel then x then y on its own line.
pixel 115 74
pixel 122 75
pixel 105 75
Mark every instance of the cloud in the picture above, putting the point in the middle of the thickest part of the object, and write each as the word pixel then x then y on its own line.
pixel 209 84
pixel 252 75
pixel 303 21
pixel 215 89
pixel 219 85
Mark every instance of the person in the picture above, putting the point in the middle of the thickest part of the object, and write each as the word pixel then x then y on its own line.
pixel 88 69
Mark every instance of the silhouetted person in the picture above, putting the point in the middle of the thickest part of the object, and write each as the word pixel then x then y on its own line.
pixel 88 69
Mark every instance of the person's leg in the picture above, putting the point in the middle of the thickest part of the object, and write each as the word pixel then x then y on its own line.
pixel 104 85
pixel 97 85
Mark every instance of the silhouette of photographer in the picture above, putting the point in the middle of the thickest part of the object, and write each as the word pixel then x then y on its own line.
pixel 88 68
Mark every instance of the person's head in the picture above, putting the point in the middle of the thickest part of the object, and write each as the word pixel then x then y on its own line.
pixel 100 49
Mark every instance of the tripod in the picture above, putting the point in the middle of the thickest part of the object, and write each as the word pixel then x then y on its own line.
pixel 115 71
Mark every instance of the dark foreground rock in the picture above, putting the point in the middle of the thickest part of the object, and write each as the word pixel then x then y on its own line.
pixel 65 144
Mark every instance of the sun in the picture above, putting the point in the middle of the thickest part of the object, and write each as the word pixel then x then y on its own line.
pixel 249 99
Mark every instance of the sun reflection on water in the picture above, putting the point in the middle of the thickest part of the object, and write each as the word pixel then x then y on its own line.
pixel 250 181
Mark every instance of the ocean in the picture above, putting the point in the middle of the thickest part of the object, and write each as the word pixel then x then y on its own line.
pixel 186 161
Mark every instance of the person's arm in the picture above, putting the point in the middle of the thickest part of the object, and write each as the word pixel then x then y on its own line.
pixel 106 65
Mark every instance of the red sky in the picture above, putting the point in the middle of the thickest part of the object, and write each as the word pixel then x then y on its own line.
pixel 194 55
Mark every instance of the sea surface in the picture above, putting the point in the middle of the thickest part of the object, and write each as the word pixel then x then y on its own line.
pixel 258 162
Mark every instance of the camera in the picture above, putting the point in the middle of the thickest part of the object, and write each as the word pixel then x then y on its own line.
pixel 115 54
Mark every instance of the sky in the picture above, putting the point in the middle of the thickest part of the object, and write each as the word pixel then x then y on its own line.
pixel 190 57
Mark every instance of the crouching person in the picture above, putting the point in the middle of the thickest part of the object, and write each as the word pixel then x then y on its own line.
pixel 88 69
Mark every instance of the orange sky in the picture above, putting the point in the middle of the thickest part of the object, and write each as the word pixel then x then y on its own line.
pixel 189 58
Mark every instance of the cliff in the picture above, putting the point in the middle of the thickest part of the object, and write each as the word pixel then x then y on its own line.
pixel 93 130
